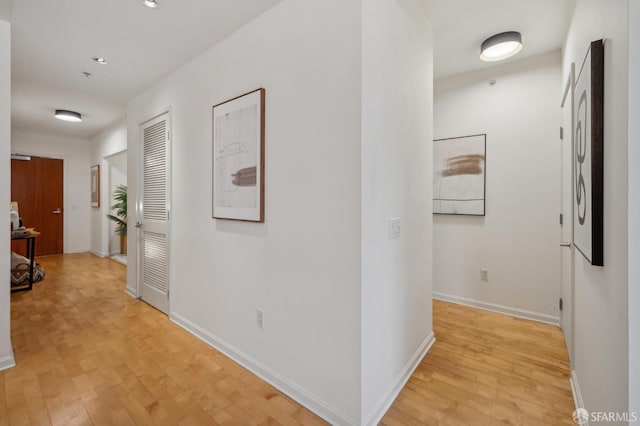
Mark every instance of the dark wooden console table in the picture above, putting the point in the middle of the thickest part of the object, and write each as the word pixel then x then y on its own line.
pixel 31 254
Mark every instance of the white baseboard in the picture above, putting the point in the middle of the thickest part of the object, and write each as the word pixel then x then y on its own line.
pixel 99 254
pixel 398 384
pixel 119 259
pixel 131 292
pixel 295 392
pixel 77 251
pixel 515 312
pixel 577 394
pixel 7 362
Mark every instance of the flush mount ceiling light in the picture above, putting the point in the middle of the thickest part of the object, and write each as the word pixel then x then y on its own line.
pixel 98 59
pixel 501 46
pixel 63 114
pixel 151 3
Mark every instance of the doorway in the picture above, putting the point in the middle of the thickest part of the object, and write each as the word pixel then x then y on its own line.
pixel 37 186
pixel 116 173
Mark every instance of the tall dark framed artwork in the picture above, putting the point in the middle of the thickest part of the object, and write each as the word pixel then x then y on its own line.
pixel 238 158
pixel 95 186
pixel 588 164
pixel 459 175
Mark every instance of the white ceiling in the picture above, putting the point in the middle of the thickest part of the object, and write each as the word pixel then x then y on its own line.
pixel 460 26
pixel 53 42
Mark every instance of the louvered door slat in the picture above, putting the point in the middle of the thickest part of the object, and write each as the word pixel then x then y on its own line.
pixel 155 166
pixel 155 190
pixel 155 257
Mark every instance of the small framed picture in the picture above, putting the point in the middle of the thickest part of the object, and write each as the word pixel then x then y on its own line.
pixel 95 186
pixel 238 158
pixel 459 175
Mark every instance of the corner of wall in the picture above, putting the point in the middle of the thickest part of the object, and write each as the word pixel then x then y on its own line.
pixel 132 188
pixel 6 350
pixel 575 391
pixel 7 361
pixel 395 387
pixel 396 157
pixel 634 207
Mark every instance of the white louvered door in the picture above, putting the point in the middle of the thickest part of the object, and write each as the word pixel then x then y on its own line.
pixel 154 213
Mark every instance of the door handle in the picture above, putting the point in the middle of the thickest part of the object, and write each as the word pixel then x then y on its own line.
pixel 138 225
pixel 565 244
pixel 58 211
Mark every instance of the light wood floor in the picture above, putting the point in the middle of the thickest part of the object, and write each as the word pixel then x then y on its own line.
pixel 487 369
pixel 89 354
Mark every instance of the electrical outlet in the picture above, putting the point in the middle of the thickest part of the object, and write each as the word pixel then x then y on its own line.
pixel 484 274
pixel 260 318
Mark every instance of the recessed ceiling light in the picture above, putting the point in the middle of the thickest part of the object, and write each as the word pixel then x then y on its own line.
pixel 101 61
pixel 65 115
pixel 501 46
pixel 151 3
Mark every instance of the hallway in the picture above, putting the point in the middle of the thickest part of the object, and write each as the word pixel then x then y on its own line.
pixel 87 353
pixel 487 369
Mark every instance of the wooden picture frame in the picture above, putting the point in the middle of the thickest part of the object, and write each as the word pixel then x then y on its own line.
pixel 95 186
pixel 588 164
pixel 238 158
pixel 459 175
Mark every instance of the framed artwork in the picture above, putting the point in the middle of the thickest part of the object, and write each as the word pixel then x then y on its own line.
pixel 95 186
pixel 588 156
pixel 238 158
pixel 459 175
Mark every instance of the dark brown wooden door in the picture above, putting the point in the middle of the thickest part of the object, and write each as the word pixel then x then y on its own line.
pixel 37 186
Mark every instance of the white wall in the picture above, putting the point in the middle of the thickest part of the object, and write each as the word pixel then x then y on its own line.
pixel 302 266
pixel 6 351
pixel 518 239
pixel 634 207
pixel 601 293
pixel 77 196
pixel 6 9
pixel 397 99
pixel 110 141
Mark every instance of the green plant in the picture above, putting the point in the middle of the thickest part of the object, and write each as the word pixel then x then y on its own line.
pixel 120 208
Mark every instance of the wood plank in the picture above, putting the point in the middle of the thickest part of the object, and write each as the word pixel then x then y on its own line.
pixel 487 368
pixel 89 354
